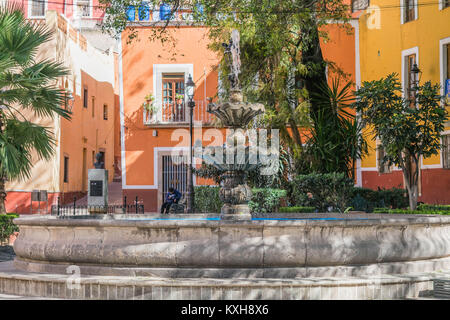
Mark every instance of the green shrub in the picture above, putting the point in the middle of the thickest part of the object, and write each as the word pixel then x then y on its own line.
pixel 322 191
pixel 7 227
pixel 407 211
pixel 297 209
pixel 266 200
pixel 438 207
pixel 364 199
pixel 207 199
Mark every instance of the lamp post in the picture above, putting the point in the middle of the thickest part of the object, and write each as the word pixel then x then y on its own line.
pixel 190 85
pixel 417 75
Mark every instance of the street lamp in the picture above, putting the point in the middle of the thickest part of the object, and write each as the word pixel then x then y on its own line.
pixel 190 85
pixel 416 73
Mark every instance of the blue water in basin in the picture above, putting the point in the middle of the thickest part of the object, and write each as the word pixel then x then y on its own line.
pixel 253 219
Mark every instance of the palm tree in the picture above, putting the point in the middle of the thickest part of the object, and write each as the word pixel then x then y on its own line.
pixel 336 139
pixel 25 84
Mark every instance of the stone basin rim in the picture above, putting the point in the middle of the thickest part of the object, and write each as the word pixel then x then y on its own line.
pixel 228 244
pixel 130 220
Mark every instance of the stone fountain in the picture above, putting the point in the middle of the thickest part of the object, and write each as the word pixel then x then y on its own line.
pixel 307 256
pixel 235 114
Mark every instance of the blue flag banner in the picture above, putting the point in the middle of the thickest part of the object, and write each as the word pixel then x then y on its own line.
pixel 131 12
pixel 144 12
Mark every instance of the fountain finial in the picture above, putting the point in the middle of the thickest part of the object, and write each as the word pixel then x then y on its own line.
pixel 233 49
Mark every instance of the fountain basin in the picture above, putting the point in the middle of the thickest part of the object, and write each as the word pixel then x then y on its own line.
pixel 205 246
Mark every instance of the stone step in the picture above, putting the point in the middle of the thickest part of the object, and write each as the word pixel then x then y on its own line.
pixel 19 283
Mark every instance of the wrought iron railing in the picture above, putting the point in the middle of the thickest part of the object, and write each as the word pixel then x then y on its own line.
pixel 173 112
pixel 73 209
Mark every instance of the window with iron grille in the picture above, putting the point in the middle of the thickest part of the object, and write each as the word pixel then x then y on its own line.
pixel 411 79
pixel 93 106
pixel 409 10
pixel 446 151
pixel 37 8
pixel 66 169
pixel 84 8
pixel 174 174
pixel 105 112
pixel 173 93
pixel 446 64
pixel 360 5
pixel 85 97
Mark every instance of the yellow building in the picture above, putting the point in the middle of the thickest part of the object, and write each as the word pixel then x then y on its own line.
pixel 393 36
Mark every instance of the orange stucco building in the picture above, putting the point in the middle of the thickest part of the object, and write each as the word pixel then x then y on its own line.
pixel 91 129
pixel 149 137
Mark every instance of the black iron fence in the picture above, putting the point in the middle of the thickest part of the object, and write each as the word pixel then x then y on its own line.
pixel 136 207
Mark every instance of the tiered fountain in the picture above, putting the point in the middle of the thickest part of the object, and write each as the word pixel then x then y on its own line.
pixel 234 114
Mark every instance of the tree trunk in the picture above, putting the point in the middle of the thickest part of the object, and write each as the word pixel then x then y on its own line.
pixel 410 175
pixel 2 196
pixel 413 196
pixel 313 56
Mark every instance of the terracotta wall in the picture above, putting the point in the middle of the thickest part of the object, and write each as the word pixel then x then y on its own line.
pixel 88 68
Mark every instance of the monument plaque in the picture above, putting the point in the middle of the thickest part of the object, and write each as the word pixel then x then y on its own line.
pixel 96 188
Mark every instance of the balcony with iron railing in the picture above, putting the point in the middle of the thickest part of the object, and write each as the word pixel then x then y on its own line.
pixel 174 113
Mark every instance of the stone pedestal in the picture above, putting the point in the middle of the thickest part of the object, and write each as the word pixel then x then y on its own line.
pixel 235 194
pixel 98 190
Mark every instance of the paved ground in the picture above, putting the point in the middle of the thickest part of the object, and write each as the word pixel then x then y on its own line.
pixel 11 297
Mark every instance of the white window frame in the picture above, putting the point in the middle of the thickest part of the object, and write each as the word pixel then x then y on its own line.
pixel 446 132
pixel 443 61
pixel 75 9
pixel 159 69
pixel 441 5
pixel 405 54
pixel 402 11
pixel 30 5
pixel 378 160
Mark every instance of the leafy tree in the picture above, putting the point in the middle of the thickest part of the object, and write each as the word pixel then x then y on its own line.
pixel 281 56
pixel 408 130
pixel 25 84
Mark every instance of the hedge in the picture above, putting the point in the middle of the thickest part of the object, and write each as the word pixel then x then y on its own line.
pixel 364 199
pixel 437 207
pixel 297 209
pixel 407 211
pixel 7 227
pixel 266 200
pixel 323 191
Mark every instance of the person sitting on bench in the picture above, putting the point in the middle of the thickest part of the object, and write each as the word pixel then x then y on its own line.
pixel 172 197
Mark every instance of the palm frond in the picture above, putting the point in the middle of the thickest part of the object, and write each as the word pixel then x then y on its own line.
pixel 26 84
